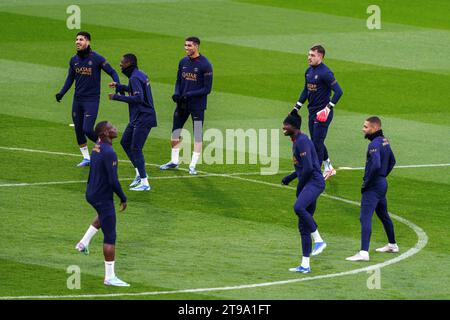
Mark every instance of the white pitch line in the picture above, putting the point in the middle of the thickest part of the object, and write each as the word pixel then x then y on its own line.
pixel 238 173
pixel 420 244
pixel 31 184
pixel 409 166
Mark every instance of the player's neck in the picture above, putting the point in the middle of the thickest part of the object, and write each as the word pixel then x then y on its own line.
pixel 106 140
pixel 194 56
pixel 85 52
pixel 372 136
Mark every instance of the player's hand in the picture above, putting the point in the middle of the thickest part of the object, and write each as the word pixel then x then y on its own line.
pixel 286 180
pixel 123 206
pixel 322 115
pixel 294 112
pixel 176 98
pixel 120 92
pixel 58 97
pixel 112 84
pixel 111 96
pixel 363 187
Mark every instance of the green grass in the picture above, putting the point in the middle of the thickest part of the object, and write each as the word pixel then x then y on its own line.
pixel 220 231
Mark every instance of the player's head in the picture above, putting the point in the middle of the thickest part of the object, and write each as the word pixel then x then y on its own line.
pixel 83 40
pixel 105 130
pixel 371 125
pixel 315 55
pixel 128 60
pixel 292 124
pixel 191 46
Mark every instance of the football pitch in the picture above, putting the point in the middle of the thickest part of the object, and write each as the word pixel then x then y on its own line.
pixel 229 232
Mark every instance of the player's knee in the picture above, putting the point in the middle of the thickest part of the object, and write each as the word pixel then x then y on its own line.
pixel 90 133
pixel 110 238
pixel 299 209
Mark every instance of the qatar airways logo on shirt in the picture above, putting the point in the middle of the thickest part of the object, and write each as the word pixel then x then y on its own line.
pixel 311 87
pixel 85 71
pixel 190 76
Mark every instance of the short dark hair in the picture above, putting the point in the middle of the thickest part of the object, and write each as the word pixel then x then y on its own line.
pixel 194 40
pixel 84 34
pixel 131 58
pixel 374 120
pixel 319 48
pixel 293 120
pixel 100 127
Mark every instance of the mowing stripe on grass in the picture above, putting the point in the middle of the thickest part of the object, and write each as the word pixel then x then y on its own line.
pixel 420 244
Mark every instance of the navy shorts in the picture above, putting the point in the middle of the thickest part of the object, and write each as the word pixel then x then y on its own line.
pixel 107 216
pixel 180 117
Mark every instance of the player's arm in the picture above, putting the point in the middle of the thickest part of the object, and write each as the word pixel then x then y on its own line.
pixel 207 84
pixel 301 99
pixel 286 180
pixel 122 88
pixel 111 170
pixel 331 82
pixel 304 151
pixel 177 92
pixel 392 162
pixel 136 95
pixel 373 165
pixel 67 84
pixel 108 69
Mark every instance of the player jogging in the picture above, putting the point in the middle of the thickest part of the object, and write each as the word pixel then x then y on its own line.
pixel 142 117
pixel 102 184
pixel 85 69
pixel 310 185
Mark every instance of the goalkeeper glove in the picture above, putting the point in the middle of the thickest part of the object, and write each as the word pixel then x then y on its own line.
pixel 322 115
pixel 296 108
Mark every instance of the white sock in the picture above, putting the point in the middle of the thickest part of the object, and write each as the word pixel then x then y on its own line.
pixel 109 270
pixel 137 172
pixel 364 253
pixel 175 155
pixel 85 153
pixel 195 157
pixel 90 233
pixel 316 236
pixel 144 181
pixel 305 262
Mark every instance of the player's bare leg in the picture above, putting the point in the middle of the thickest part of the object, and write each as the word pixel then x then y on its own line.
pixel 83 245
pixel 174 160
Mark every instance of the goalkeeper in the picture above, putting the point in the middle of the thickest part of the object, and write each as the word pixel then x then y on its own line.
pixel 319 82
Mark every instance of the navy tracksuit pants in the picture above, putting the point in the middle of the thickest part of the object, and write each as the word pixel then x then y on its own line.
pixel 133 141
pixel 374 199
pixel 318 132
pixel 304 207
pixel 84 115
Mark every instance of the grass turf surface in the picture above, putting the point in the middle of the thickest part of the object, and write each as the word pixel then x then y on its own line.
pixel 217 231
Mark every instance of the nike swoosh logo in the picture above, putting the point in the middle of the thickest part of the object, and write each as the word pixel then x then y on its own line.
pixel 87 115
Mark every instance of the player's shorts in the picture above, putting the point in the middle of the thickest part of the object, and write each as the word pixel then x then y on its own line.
pixel 180 117
pixel 107 216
